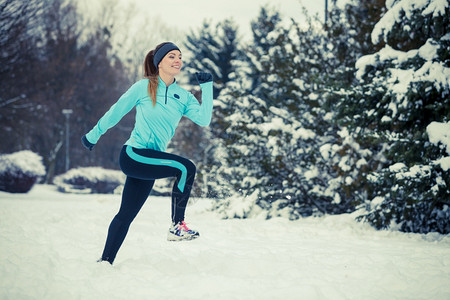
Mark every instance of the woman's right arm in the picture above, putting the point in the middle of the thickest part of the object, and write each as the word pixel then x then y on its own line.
pixel 201 114
pixel 125 103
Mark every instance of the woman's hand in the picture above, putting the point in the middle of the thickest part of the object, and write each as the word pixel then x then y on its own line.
pixel 203 77
pixel 86 143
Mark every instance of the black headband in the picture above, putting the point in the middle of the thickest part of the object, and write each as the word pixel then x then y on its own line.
pixel 161 52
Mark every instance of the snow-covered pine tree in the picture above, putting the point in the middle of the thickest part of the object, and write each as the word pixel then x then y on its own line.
pixel 404 87
pixel 361 16
pixel 265 30
pixel 279 135
pixel 348 31
pixel 251 144
pixel 214 49
pixel 351 157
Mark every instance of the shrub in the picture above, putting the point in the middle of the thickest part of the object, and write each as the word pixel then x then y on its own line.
pixel 19 171
pixel 89 180
pixel 417 198
pixel 413 199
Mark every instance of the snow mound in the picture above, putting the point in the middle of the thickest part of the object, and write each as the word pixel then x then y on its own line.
pixel 20 163
pixel 90 180
pixel 20 171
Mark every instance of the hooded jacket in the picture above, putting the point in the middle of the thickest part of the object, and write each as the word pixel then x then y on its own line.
pixel 155 125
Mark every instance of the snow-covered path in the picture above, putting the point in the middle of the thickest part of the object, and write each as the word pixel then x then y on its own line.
pixel 49 243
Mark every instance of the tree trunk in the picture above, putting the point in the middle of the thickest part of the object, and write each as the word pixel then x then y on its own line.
pixel 51 162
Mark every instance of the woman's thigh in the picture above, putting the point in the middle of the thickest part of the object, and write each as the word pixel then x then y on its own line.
pixel 150 164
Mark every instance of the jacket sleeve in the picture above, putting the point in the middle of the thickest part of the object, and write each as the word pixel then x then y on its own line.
pixel 201 114
pixel 116 112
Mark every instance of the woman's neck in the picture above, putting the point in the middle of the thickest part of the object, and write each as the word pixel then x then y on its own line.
pixel 168 79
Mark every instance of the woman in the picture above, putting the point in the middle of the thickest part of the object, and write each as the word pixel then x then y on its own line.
pixel 160 103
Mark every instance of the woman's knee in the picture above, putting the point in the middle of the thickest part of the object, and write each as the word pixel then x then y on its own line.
pixel 190 166
pixel 127 215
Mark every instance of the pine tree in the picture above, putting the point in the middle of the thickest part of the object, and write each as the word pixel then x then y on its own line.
pixel 350 157
pixel 278 129
pixel 404 87
pixel 214 49
pixel 348 31
pixel 266 30
pixel 362 15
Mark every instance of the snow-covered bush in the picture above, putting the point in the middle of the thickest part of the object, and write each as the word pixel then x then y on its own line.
pixel 412 198
pixel 19 171
pixel 89 180
pixel 416 198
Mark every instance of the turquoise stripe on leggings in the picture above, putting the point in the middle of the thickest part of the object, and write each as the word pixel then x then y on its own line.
pixel 160 162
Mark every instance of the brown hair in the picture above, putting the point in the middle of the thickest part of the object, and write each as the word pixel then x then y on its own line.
pixel 151 72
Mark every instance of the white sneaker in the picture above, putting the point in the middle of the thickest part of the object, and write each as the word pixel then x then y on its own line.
pixel 180 232
pixel 104 261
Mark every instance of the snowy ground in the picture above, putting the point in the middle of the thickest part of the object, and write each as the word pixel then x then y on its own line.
pixel 49 243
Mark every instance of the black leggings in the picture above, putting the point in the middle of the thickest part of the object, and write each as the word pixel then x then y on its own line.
pixel 142 167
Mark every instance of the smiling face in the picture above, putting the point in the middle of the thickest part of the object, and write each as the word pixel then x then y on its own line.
pixel 171 64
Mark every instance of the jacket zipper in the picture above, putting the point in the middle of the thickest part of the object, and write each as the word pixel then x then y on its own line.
pixel 167 88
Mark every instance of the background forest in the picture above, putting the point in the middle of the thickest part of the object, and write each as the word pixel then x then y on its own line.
pixel 309 119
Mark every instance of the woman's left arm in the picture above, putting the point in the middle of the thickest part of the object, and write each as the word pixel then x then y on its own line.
pixel 201 114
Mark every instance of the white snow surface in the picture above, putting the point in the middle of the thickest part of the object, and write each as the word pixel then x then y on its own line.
pixel 49 243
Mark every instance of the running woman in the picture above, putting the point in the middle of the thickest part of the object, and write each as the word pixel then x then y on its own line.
pixel 160 103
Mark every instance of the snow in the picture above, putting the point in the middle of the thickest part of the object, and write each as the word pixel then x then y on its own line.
pixel 90 174
pixel 398 167
pixel 416 171
pixel 325 151
pixel 22 162
pixel 436 7
pixel 435 72
pixel 303 133
pixel 399 81
pixel 439 133
pixel 444 162
pixel 312 173
pixel 49 242
pixel 405 7
pixel 376 202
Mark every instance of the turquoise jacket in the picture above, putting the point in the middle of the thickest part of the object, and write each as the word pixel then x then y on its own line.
pixel 155 125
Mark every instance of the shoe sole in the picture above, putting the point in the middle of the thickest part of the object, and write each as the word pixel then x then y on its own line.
pixel 175 238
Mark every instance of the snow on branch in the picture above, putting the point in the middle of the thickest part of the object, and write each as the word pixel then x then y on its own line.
pixel 440 133
pixel 396 9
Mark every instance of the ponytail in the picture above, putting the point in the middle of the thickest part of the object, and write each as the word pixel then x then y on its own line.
pixel 151 72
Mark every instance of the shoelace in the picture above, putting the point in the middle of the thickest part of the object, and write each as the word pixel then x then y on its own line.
pixel 184 226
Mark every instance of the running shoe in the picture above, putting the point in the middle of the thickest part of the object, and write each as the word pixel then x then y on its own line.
pixel 180 232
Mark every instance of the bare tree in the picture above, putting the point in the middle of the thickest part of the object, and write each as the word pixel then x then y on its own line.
pixel 17 60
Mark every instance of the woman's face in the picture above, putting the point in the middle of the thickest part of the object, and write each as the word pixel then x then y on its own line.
pixel 171 64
